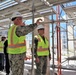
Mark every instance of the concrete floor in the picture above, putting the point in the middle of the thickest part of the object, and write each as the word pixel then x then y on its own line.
pixel 26 72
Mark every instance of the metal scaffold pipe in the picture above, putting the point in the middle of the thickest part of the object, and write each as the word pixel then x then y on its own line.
pixel 58 41
pixel 53 44
pixel 74 40
pixel 67 40
pixel 33 10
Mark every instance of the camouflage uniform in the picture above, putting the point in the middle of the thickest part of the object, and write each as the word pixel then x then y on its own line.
pixel 16 63
pixel 41 66
pixel 24 30
pixel 17 60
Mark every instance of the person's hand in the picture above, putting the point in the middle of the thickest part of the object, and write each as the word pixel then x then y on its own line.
pixel 23 24
pixel 38 21
pixel 37 60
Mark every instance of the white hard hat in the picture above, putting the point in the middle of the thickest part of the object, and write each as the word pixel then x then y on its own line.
pixel 4 35
pixel 16 14
pixel 40 27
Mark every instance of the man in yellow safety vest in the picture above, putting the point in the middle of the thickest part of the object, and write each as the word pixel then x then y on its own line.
pixel 1 54
pixel 42 51
pixel 17 43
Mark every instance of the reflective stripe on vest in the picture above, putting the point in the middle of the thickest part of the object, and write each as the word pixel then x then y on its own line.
pixel 16 45
pixel 1 47
pixel 42 49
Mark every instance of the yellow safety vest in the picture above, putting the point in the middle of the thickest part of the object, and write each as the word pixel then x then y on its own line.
pixel 16 45
pixel 1 47
pixel 42 48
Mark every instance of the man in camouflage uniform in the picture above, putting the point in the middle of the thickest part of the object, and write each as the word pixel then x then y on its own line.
pixel 16 43
pixel 42 51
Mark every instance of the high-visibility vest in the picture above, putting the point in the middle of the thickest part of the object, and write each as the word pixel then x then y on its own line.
pixel 42 48
pixel 16 45
pixel 1 47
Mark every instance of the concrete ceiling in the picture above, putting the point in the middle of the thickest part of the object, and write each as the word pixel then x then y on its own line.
pixel 26 7
pixel 41 9
pixel 2 0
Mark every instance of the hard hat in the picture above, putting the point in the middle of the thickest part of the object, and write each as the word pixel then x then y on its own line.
pixel 40 27
pixel 4 35
pixel 16 14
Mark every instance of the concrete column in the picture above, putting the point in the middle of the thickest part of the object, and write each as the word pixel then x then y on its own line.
pixel 46 29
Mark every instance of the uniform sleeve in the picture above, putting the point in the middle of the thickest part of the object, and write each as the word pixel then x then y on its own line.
pixel 5 47
pixel 24 30
pixel 35 49
pixel 49 53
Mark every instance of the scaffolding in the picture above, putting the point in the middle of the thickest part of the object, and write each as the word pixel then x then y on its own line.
pixel 43 8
